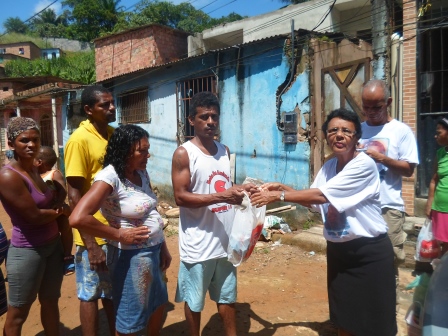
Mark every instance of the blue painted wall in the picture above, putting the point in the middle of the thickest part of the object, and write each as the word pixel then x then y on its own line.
pixel 248 117
pixel 247 91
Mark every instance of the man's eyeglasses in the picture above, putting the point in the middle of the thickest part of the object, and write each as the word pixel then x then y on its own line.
pixel 345 131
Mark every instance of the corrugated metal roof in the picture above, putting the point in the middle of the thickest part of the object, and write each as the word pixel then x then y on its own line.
pixel 43 90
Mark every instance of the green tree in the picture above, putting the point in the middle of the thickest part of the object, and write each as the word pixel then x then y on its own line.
pixel 182 16
pixel 15 25
pixel 90 18
pixel 49 24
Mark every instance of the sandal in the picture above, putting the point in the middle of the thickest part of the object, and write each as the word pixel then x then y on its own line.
pixel 69 265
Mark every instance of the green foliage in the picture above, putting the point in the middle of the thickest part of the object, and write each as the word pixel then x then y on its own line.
pixel 79 67
pixel 88 19
pixel 49 24
pixel 15 25
pixel 182 16
pixel 309 223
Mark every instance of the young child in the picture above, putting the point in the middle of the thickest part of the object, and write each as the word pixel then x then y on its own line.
pixel 44 162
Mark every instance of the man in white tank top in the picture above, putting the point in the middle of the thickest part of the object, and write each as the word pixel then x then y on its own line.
pixel 204 192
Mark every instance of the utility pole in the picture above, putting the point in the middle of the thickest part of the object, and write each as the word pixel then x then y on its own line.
pixel 381 14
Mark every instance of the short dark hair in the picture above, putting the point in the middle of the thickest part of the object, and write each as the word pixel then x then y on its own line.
pixel 120 147
pixel 47 155
pixel 90 94
pixel 344 114
pixel 444 123
pixel 203 99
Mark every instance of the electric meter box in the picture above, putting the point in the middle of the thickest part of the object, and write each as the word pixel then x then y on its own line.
pixel 290 128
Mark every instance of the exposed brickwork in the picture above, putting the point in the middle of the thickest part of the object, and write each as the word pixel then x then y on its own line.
pixel 409 89
pixel 6 90
pixel 136 49
pixel 20 49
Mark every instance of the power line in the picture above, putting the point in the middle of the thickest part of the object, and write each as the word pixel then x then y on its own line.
pixel 222 65
pixel 247 32
pixel 266 25
pixel 228 65
pixel 34 15
pixel 207 4
pixel 221 7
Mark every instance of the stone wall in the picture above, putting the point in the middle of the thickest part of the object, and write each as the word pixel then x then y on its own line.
pixel 70 45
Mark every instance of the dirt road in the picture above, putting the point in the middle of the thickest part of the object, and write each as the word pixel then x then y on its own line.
pixel 281 291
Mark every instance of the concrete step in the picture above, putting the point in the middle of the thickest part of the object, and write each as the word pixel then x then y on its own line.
pixel 309 240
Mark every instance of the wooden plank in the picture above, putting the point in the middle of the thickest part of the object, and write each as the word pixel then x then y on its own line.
pixel 286 207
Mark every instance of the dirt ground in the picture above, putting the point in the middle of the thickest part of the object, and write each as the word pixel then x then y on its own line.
pixel 281 291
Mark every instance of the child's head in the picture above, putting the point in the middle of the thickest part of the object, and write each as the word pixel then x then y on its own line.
pixel 46 159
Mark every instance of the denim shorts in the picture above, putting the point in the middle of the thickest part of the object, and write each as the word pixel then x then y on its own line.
pixel 33 271
pixel 138 286
pixel 218 276
pixel 91 285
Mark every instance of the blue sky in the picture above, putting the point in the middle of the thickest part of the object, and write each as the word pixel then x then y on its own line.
pixel 24 9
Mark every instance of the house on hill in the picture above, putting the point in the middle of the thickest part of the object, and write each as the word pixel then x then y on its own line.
pixel 24 50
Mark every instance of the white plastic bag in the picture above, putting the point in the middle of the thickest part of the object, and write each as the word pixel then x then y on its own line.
pixel 427 248
pixel 246 230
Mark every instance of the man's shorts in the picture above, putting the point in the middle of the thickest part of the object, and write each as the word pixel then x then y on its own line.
pixel 91 285
pixel 218 276
pixel 395 220
pixel 34 270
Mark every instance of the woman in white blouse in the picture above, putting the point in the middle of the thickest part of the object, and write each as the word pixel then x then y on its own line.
pixel 122 190
pixel 360 258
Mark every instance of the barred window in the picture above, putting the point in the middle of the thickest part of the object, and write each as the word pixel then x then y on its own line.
pixel 46 134
pixel 432 79
pixel 134 106
pixel 185 91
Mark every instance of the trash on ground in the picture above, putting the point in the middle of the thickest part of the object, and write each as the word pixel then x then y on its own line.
pixel 277 243
pixel 274 224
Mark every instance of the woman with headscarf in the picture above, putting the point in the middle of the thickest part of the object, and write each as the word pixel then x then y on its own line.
pixel 360 258
pixel 35 256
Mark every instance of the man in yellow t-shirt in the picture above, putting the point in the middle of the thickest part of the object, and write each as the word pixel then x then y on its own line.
pixel 83 153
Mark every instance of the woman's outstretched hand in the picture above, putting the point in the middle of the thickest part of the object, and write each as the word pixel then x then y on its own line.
pixel 272 186
pixel 137 235
pixel 263 196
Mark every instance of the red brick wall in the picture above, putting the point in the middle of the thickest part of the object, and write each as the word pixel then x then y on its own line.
pixel 30 50
pixel 138 49
pixel 409 89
